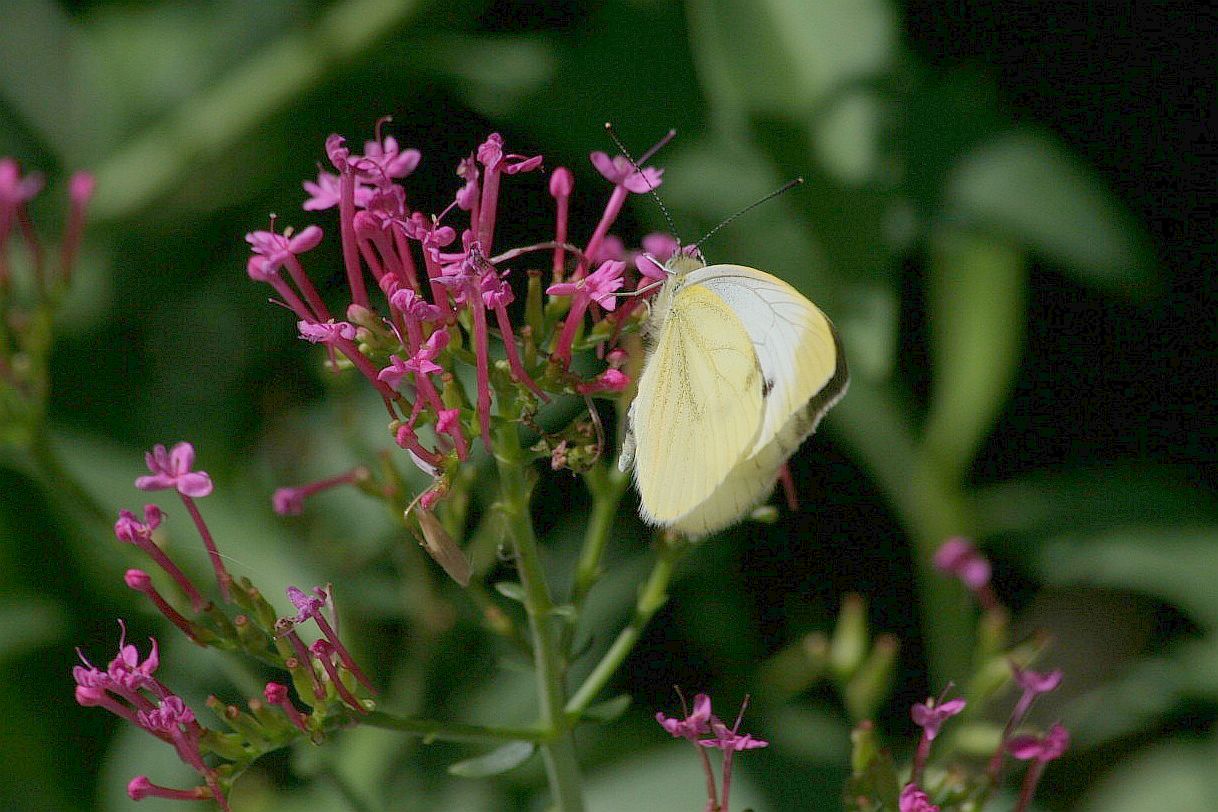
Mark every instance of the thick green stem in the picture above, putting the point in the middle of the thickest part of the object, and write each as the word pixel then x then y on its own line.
pixel 652 596
pixel 452 731
pixel 558 752
pixel 606 484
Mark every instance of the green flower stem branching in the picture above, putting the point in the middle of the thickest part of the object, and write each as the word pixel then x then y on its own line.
pixel 558 750
pixel 652 596
pixel 453 731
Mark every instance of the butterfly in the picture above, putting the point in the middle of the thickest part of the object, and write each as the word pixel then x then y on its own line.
pixel 740 370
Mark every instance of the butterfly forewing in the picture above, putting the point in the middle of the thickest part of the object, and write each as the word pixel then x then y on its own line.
pixel 794 343
pixel 699 406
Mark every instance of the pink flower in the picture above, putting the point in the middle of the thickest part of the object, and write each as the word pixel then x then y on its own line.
pixel 169 717
pixel 423 361
pixel 81 187
pixel 276 249
pixel 288 501
pixel 726 738
pixel 496 292
pixel 611 380
pixel 562 182
pixel 171 469
pixel 326 332
pixel 386 160
pixel 598 286
pixel 126 671
pixel 619 171
pixel 448 421
pixel 14 189
pixel 327 192
pixel 957 556
pixel 129 529
pixel 490 154
pixel 1034 682
pixel 930 716
pixel 915 800
pixel 414 305
pixel 610 248
pixel 693 725
pixel 1040 749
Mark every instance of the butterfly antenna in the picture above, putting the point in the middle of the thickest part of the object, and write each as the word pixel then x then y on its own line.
pixel 786 187
pixel 672 228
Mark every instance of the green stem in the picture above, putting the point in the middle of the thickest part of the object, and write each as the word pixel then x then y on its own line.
pixel 930 510
pixel 432 730
pixel 607 484
pixel 558 752
pixel 652 596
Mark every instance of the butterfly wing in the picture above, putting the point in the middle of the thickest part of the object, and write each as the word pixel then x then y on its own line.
pixel 699 405
pixel 798 351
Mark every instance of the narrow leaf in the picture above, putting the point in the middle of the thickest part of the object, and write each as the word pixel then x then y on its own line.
pixel 495 762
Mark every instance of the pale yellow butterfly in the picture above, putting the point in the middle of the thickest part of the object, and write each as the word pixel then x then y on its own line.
pixel 741 368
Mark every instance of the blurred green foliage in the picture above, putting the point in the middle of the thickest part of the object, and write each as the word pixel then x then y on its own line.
pixel 1025 364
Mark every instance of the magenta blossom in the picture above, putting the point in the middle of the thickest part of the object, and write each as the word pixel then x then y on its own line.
pixel 385 160
pixel 14 189
pixel 326 332
pixel 957 556
pixel 726 738
pixel 619 171
pixel 326 192
pixel 276 249
pixel 693 725
pixel 915 800
pixel 171 469
pixel 1041 749
pixel 930 716
pixel 598 286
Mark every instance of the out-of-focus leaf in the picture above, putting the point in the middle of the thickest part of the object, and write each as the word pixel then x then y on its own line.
pixel 1088 499
pixel 1175 775
pixel 662 779
pixel 206 125
pixel 493 73
pixel 1175 564
pixel 511 590
pixel 846 137
pixel 500 760
pixel 785 56
pixel 977 294
pixel 867 325
pixel 708 182
pixel 1131 702
pixel 609 710
pixel 1028 187
pixel 41 76
pixel 162 54
pixel 28 623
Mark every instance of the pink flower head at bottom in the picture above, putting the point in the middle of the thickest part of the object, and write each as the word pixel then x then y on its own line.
pixel 915 800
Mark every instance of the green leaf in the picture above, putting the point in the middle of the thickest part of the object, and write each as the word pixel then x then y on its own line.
pixel 500 760
pixel 1175 564
pixel 786 56
pixel 609 710
pixel 977 295
pixel 1087 500
pixel 26 624
pixel 511 590
pixel 1175 775
pixel 1028 187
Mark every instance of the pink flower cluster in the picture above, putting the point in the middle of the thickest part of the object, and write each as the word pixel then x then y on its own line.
pixel 128 689
pixel 443 286
pixel 707 731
